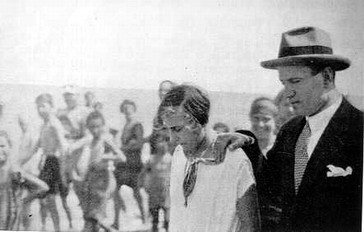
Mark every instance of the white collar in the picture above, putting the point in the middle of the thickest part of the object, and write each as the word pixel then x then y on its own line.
pixel 320 120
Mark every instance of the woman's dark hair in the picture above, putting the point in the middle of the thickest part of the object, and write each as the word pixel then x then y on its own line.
pixel 94 115
pixel 127 102
pixel 192 100
pixel 45 97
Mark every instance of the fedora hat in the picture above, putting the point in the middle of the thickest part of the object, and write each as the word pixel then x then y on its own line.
pixel 307 46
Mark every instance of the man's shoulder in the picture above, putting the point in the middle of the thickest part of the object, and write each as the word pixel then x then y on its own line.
pixel 350 110
pixel 292 123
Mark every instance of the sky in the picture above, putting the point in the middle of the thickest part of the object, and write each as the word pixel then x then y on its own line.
pixel 134 44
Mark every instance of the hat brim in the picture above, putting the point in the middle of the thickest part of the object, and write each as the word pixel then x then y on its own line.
pixel 336 62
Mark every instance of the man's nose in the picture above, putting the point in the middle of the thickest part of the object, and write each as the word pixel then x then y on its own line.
pixel 290 93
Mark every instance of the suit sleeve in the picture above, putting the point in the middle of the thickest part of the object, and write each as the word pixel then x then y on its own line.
pixel 253 152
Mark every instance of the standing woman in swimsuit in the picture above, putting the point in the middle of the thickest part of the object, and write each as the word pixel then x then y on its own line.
pixel 132 140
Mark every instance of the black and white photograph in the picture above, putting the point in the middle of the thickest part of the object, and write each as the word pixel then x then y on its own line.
pixel 181 116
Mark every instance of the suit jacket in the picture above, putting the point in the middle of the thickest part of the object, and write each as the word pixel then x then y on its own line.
pixel 253 152
pixel 322 203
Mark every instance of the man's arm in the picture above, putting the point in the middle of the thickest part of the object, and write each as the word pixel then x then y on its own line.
pixel 56 124
pixel 27 143
pixel 232 141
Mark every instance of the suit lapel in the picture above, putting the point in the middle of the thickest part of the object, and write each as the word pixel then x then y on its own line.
pixel 327 149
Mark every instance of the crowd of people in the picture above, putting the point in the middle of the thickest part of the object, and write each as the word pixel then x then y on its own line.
pixel 77 150
pixel 298 168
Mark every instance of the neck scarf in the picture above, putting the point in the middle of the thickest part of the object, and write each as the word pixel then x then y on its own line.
pixel 191 174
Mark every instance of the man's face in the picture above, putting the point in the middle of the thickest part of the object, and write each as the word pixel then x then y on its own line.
pixel 96 127
pixel 70 99
pixel 44 109
pixel 4 150
pixel 183 130
pixel 304 90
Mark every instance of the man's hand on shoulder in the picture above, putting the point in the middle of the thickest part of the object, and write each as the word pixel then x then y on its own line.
pixel 231 141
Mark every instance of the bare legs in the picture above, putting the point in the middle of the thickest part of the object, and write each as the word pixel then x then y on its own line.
pixel 118 205
pixel 36 189
pixel 154 211
pixel 49 204
pixel 138 198
pixel 67 210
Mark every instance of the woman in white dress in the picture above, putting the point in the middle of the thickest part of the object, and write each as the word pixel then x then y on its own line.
pixel 206 194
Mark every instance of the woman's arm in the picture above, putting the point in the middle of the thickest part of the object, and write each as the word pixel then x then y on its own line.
pixel 248 211
pixel 137 142
pixel 78 144
pixel 247 207
pixel 117 154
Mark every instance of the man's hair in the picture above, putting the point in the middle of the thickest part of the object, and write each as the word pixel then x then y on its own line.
pixel 5 135
pixel 125 103
pixel 94 115
pixel 317 68
pixel 193 101
pixel 44 98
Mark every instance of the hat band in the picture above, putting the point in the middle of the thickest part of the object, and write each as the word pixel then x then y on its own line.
pixel 304 50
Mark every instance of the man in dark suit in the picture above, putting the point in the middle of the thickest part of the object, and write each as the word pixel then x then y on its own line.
pixel 313 173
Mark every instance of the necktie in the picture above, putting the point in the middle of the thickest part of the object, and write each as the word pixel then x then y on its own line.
pixel 191 174
pixel 301 155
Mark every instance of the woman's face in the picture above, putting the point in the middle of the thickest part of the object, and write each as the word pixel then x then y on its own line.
pixel 183 130
pixel 129 109
pixel 44 109
pixel 70 100
pixel 96 127
pixel 263 125
pixel 4 150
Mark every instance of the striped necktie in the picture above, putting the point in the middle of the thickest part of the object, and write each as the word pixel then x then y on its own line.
pixel 191 174
pixel 301 155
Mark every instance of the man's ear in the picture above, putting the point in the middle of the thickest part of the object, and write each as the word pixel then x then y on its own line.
pixel 328 77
